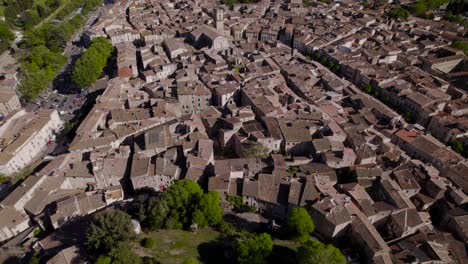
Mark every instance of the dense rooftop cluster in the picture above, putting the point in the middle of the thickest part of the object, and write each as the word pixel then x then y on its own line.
pixel 337 109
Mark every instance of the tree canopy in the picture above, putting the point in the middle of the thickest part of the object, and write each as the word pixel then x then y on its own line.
pixel 6 36
pixel 462 45
pixel 253 250
pixel 420 7
pixel 38 70
pixel 459 147
pixel 181 205
pixel 299 224
pixel 254 149
pixel 208 212
pixel 108 230
pixel 27 14
pixel 314 252
pixel 88 68
pixel 103 260
pixel 122 253
pixel 398 13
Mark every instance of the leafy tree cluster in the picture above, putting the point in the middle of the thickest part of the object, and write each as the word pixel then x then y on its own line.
pixel 181 205
pixel 373 4
pixel 408 116
pixel 53 36
pixel 459 147
pixel 38 70
pixel 335 68
pixel 28 13
pixel 312 252
pixel 88 68
pixel 399 13
pixel 107 230
pixel 239 205
pixel 292 170
pixel 13 8
pixel 254 149
pixel 43 58
pixel 300 225
pixel 148 242
pixel 109 236
pixel 6 37
pixel 422 6
pixel 457 7
pixel 457 18
pixel 233 2
pixel 85 5
pixel 3 178
pixel 48 42
pixel 368 89
pixel 239 69
pixel 123 253
pixel 37 232
pixel 462 45
pixel 257 249
pixel 253 250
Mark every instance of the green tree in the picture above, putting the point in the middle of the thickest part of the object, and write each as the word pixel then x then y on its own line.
pixel 6 36
pixel 323 60
pixel 254 149
pixel 462 45
pixel 190 261
pixel 122 253
pixel 107 230
pixel 53 4
pixel 457 6
pixel 3 178
pixel 376 94
pixel 38 69
pixel 419 8
pixel 398 13
pixel 458 146
pixel 43 11
pixel 29 19
pixel 103 260
pixel 34 260
pixel 148 242
pixel 314 252
pixel 208 212
pixel 409 117
pixel 336 69
pixel 317 56
pixel 173 209
pixel 299 224
pixel 368 89
pixel 181 205
pixel 88 68
pixel 253 250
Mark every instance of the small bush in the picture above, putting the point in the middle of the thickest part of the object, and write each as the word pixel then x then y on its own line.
pixel 37 232
pixel 148 242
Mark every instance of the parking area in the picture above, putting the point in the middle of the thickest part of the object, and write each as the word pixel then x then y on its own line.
pixel 68 105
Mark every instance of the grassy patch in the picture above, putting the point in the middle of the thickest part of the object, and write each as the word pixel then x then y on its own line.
pixel 293 245
pixel 174 246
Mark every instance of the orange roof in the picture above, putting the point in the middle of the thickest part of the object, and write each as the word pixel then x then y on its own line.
pixel 408 136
